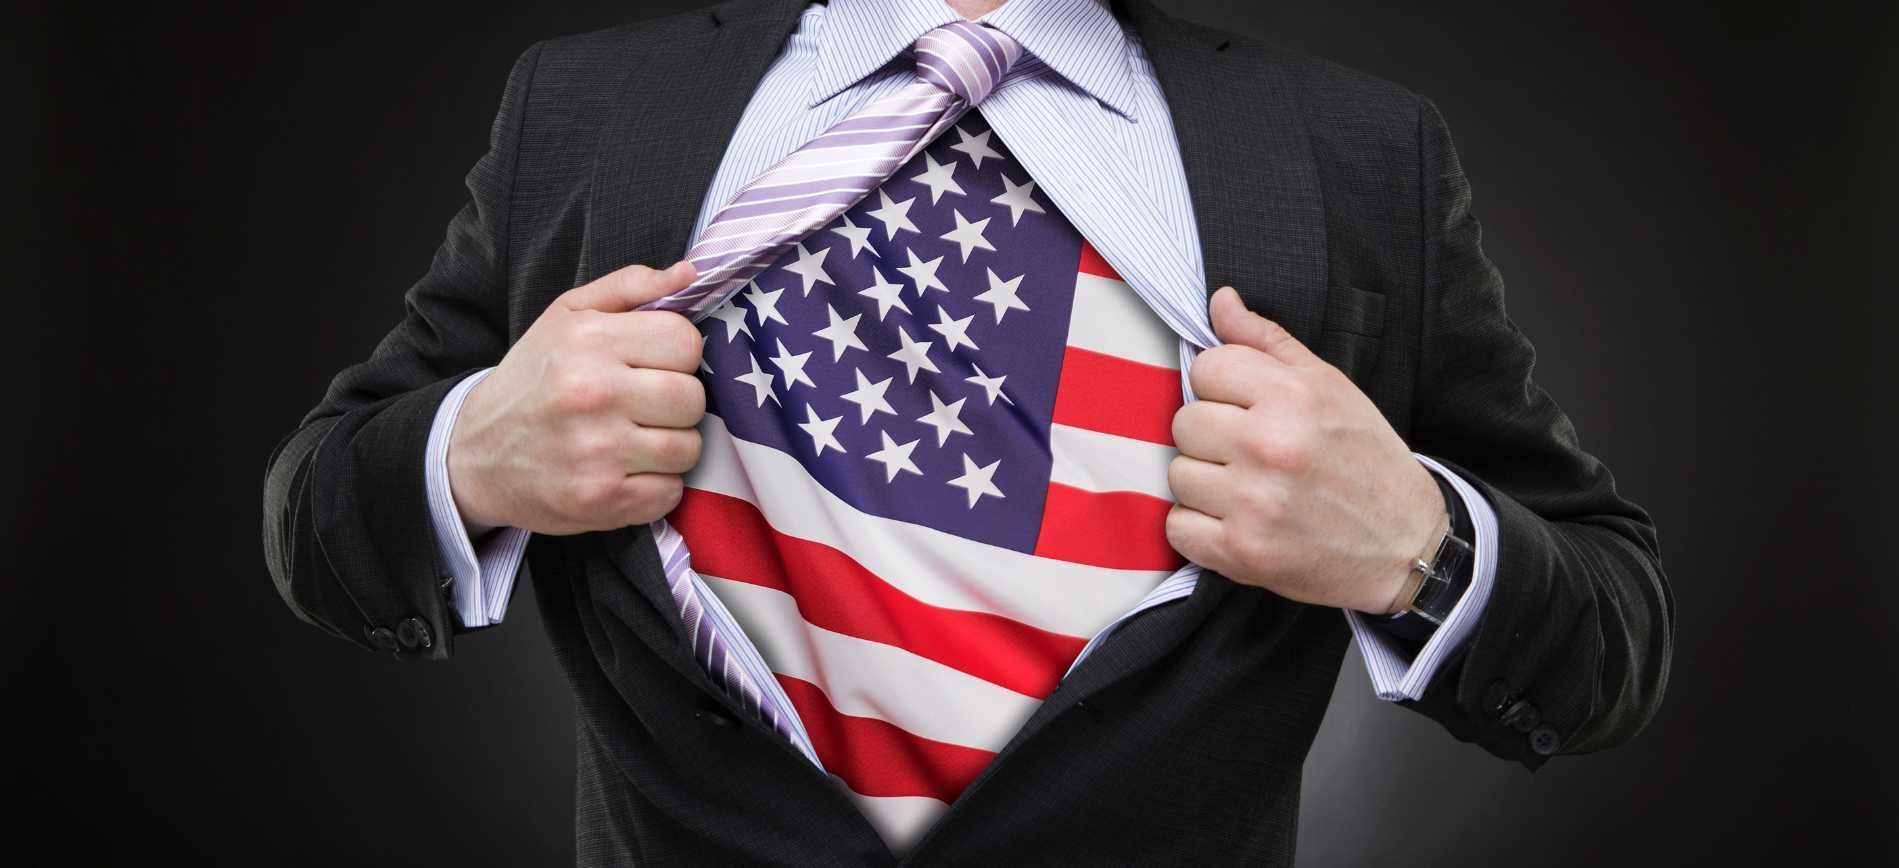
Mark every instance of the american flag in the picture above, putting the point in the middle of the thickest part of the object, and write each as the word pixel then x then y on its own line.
pixel 935 464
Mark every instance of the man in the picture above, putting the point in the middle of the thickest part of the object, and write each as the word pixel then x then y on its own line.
pixel 931 508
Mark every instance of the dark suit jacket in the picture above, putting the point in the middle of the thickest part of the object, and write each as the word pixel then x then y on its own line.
pixel 1332 200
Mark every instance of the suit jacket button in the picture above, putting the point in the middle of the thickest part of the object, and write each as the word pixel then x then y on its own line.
pixel 382 637
pixel 1522 716
pixel 1544 740
pixel 414 633
pixel 716 718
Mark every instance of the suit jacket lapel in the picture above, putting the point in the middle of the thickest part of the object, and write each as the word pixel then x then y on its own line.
pixel 657 153
pixel 676 112
pixel 1249 165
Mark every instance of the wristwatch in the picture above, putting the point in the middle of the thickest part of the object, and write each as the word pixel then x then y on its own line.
pixel 1446 574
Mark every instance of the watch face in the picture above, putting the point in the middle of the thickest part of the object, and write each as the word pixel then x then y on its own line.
pixel 1437 595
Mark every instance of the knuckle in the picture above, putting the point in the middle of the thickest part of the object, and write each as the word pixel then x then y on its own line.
pixel 1212 365
pixel 680 392
pixel 1271 332
pixel 675 341
pixel 692 400
pixel 1177 528
pixel 590 494
pixel 1233 546
pixel 655 494
pixel 690 445
pixel 631 277
pixel 1185 421
pixel 1257 447
pixel 1287 454
pixel 576 391
pixel 587 327
pixel 1176 475
pixel 1262 508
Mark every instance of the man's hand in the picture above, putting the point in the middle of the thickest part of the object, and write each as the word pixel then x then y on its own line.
pixel 1290 479
pixel 587 423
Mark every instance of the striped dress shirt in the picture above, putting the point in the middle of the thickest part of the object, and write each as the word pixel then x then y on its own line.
pixel 1086 118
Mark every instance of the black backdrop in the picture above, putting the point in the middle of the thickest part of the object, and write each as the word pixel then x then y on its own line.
pixel 1691 205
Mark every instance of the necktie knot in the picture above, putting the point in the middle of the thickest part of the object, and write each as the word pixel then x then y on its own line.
pixel 966 58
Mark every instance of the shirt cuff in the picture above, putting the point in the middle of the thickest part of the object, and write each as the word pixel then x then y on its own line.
pixel 1395 672
pixel 481 578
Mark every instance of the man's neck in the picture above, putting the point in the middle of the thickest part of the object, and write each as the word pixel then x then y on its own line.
pixel 974 9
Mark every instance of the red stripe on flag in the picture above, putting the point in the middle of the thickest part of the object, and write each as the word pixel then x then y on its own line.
pixel 1112 395
pixel 729 538
pixel 1092 263
pixel 1123 530
pixel 878 758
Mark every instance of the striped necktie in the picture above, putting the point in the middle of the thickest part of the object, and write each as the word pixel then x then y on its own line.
pixel 958 65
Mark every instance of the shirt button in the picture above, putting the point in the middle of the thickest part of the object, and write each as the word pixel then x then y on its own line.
pixel 382 637
pixel 414 633
pixel 1544 740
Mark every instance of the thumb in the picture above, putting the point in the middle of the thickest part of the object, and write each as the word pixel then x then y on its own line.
pixel 629 288
pixel 1234 324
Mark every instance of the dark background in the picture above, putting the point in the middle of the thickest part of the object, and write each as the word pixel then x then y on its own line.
pixel 1690 204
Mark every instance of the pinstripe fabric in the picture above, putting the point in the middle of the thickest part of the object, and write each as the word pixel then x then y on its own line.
pixel 1111 164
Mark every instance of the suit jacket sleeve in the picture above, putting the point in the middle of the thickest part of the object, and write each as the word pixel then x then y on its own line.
pixel 346 517
pixel 1572 652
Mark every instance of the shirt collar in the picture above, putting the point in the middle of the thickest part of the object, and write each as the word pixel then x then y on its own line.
pixel 1079 39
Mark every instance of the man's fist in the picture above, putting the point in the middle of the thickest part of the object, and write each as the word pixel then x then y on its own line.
pixel 587 423
pixel 1290 479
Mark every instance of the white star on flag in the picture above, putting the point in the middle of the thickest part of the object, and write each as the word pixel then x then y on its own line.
pixel 977 147
pixel 894 215
pixel 968 235
pixel 765 304
pixel 978 481
pixel 945 418
pixel 914 354
pixel 810 266
pixel 1017 198
pixel 895 458
pixel 823 431
pixel 990 385
pixel 1002 294
pixel 859 236
pixel 887 294
pixel 923 274
pixel 734 318
pixel 792 367
pixel 955 332
pixel 869 397
pixel 842 333
pixel 939 177
pixel 760 381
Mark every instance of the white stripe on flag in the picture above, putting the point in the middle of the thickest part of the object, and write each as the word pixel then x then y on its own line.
pixel 937 568
pixel 1093 461
pixel 871 679
pixel 1108 317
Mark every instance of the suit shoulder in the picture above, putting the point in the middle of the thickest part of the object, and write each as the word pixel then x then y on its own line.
pixel 587 60
pixel 1325 90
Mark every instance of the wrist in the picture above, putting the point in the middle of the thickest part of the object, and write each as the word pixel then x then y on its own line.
pixel 1411 577
pixel 463 474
